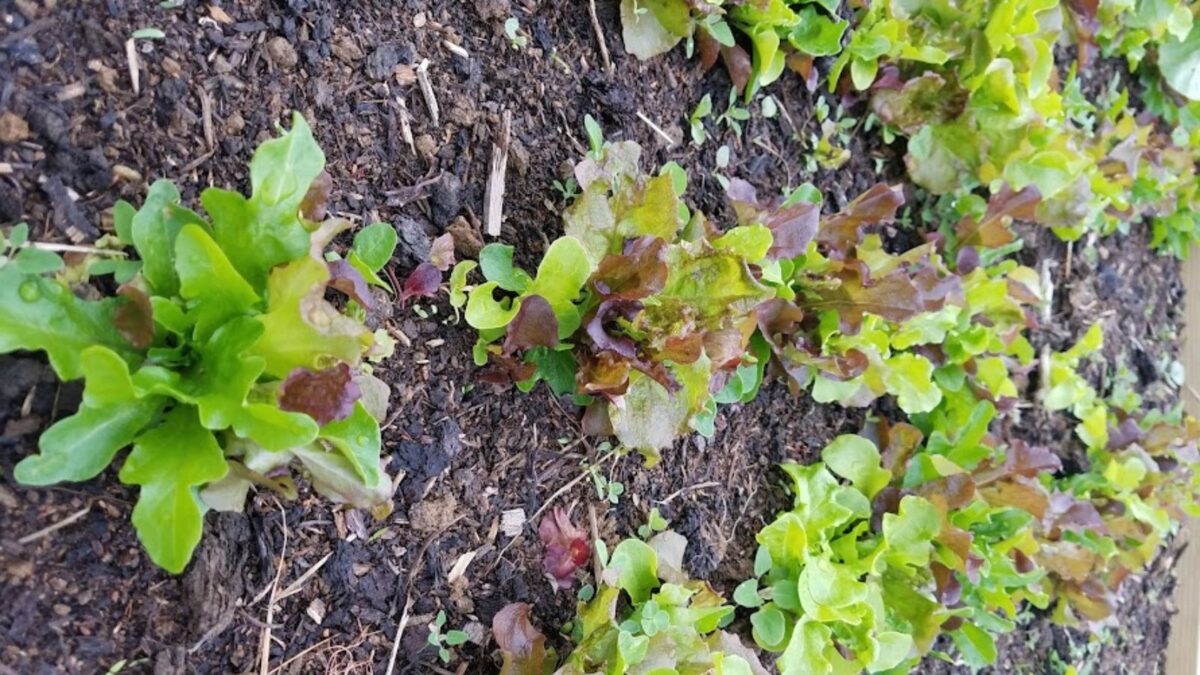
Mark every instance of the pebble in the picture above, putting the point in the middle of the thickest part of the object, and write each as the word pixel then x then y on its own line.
pixel 282 53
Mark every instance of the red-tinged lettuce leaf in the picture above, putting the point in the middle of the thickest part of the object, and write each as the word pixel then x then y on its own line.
pixel 778 317
pixel 349 281
pixel 707 48
pixel 923 100
pixel 1089 599
pixel 802 65
pixel 954 491
pixel 1068 513
pixel 640 271
pixel 134 318
pixel 1018 492
pixel 843 230
pixel 739 65
pixel 567 547
pixel 504 369
pixel 606 316
pixel 993 230
pixel 899 441
pixel 596 421
pixel 1024 460
pixel 441 252
pixel 792 227
pixel 949 588
pixel 894 297
pixel 423 282
pixel 1067 560
pixel 315 205
pixel 324 395
pixel 534 326
pixel 681 349
pixel 603 374
pixel 522 646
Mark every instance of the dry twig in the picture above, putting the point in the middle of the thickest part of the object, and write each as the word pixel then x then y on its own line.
pixel 494 194
pixel 51 529
pixel 599 36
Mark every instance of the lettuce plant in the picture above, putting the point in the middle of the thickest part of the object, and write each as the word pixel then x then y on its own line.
pixel 218 360
pixel 975 89
pixel 643 307
pixel 777 30
pixel 646 616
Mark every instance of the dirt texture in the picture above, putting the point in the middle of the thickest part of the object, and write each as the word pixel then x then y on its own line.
pixel 77 135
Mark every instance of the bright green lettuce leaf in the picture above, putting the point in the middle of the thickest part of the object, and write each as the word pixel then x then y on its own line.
pixel 635 565
pixel 153 230
pixel 358 438
pixel 168 462
pixel 1179 61
pixel 496 263
pixel 375 244
pixel 857 459
pixel 209 282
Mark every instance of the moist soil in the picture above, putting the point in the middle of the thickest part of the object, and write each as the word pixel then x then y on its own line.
pixel 76 135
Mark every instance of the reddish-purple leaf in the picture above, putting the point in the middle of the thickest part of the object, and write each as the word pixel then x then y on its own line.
pixel 441 252
pixel 1069 513
pixel 802 65
pixel 534 326
pixel 894 297
pixel 504 369
pixel 604 373
pixel 522 645
pixel 792 227
pixel 949 588
pixel 993 231
pixel 324 395
pixel 316 201
pixel 567 547
pixel 134 319
pixel 707 47
pixel 639 272
pixel 739 65
pixel 596 421
pixel 348 280
pixel 423 282
pixel 927 99
pixel 842 231
pixel 605 316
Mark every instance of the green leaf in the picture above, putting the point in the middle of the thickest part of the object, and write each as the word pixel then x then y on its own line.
pixel 976 646
pixel 746 594
pixel 301 329
pixel 206 278
pixel 857 459
pixel 564 270
pixel 153 230
pixel 770 627
pixel 816 34
pixel 79 447
pixel 644 34
pixel 910 378
pixel 265 230
pixel 750 242
pixel 375 245
pixel 458 282
pixel 636 567
pixel 168 462
pixel 647 418
pixel 785 541
pixel 495 261
pixel 1179 61
pixel 359 440
pixel 43 314
pixel 123 213
pixel 484 312
pixel 909 533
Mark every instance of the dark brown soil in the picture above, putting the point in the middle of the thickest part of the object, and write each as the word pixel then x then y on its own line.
pixel 85 598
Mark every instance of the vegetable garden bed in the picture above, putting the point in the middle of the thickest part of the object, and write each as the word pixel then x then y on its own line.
pixel 477 465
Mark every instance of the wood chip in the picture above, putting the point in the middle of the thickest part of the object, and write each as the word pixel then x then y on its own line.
pixel 71 91
pixel 457 50
pixel 460 566
pixel 512 522
pixel 219 14
pixel 131 58
pixel 316 611
pixel 494 194
pixel 427 91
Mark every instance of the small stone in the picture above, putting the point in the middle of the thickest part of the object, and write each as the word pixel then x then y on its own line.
pixel 518 156
pixel 433 515
pixel 281 52
pixel 61 609
pixel 467 242
pixel 446 199
pixel 347 50
pixel 127 174
pixel 234 124
pixel 426 146
pixel 172 67
pixel 385 57
pixel 13 128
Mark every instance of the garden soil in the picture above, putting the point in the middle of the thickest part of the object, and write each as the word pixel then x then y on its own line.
pixel 76 134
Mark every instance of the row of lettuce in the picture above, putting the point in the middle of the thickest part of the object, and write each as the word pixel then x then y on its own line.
pixel 976 90
pixel 939 523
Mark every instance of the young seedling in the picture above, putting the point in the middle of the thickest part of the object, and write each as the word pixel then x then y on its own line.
pixel 516 37
pixel 442 642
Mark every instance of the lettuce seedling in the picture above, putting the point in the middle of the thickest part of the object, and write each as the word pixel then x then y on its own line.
pixel 220 361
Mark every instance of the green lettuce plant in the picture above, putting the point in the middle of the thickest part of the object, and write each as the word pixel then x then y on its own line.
pixel 775 29
pixel 645 616
pixel 218 358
